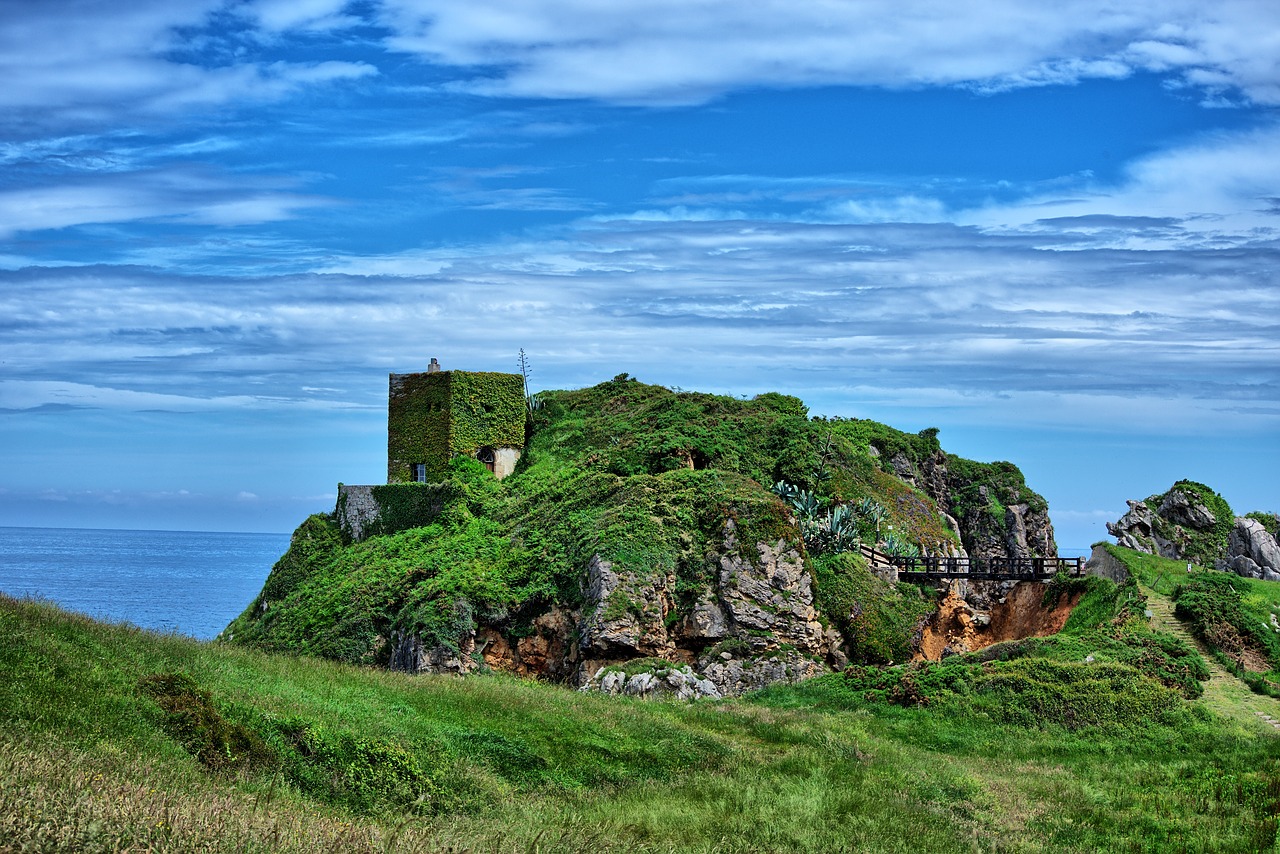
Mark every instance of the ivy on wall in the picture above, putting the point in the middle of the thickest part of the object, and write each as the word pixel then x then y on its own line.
pixel 402 506
pixel 432 417
pixel 486 409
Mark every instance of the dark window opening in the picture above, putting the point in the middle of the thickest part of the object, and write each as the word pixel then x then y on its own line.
pixel 488 456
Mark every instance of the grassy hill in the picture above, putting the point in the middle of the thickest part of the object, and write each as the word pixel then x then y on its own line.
pixel 112 738
pixel 648 480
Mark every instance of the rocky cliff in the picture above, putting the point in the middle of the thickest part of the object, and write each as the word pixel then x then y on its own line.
pixel 1192 522
pixel 641 526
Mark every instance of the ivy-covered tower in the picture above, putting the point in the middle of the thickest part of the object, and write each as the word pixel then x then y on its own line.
pixel 436 415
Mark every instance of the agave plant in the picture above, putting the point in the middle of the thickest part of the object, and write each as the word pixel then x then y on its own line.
pixel 897 547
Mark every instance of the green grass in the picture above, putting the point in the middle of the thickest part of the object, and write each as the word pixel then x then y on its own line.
pixel 93 759
pixel 1235 617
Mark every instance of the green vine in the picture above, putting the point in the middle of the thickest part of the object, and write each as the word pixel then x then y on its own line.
pixel 433 417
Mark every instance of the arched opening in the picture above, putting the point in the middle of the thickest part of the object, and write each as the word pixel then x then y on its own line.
pixel 487 455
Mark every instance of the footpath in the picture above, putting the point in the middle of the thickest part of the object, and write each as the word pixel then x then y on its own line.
pixel 1224 694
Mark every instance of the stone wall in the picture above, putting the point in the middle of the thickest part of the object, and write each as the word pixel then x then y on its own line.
pixel 357 509
pixel 367 511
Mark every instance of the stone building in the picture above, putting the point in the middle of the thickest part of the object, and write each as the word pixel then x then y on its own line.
pixel 433 417
pixel 437 415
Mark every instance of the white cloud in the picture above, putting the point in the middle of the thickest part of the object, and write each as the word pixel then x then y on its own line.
pixel 1216 191
pixel 932 316
pixel 280 15
pixel 92 63
pixel 687 51
pixel 177 194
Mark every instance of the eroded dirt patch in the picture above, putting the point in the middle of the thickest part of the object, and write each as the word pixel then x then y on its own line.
pixel 1021 613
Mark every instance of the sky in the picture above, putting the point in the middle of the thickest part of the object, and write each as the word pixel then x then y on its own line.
pixel 1051 231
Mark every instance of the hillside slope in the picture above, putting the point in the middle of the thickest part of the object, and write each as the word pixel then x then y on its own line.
pixel 116 739
pixel 647 523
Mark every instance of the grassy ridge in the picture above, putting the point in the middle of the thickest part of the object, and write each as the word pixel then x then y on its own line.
pixel 90 759
pixel 643 476
pixel 1237 618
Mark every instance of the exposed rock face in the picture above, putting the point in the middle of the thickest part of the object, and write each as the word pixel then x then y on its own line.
pixel 410 655
pixel 755 624
pixel 625 612
pixel 1102 564
pixel 738 675
pixel 1252 551
pixel 1182 509
pixel 1136 529
pixel 1189 522
pixel 1022 530
pixel 547 652
pixel 677 680
pixel 991 613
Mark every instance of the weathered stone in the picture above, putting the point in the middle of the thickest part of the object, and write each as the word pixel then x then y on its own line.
pixel 1250 540
pixel 625 611
pixel 409 654
pixel 1182 509
pixel 903 468
pixel 549 650
pixel 1244 566
pixel 677 681
pixel 773 594
pixel 1135 529
pixel 1015 526
pixel 1104 565
pixel 739 676
pixel 706 621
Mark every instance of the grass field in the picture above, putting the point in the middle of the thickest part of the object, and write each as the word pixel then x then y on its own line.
pixel 94 756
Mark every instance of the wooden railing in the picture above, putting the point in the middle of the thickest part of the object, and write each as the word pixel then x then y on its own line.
pixel 932 567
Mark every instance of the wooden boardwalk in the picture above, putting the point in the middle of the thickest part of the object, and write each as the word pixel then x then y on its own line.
pixel 933 568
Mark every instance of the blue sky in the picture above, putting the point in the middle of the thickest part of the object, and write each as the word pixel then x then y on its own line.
pixel 1050 232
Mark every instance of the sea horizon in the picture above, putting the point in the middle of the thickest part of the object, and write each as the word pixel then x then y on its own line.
pixel 188 582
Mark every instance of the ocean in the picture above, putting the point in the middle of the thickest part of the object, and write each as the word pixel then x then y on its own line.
pixel 171 581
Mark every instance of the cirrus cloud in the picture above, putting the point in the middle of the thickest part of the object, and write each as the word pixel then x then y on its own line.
pixel 688 51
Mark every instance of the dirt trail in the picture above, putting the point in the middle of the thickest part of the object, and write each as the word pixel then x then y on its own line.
pixel 1223 693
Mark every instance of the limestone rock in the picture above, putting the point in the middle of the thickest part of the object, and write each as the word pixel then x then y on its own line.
pixel 1177 525
pixel 625 611
pixel 1102 564
pixel 740 675
pixel 1136 530
pixel 1182 509
pixel 707 620
pixel 772 594
pixel 677 681
pixel 409 654
pixel 1253 551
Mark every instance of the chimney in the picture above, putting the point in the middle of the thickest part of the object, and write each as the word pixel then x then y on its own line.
pixel 434 367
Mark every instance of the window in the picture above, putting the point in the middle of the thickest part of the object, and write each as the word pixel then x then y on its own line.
pixel 419 472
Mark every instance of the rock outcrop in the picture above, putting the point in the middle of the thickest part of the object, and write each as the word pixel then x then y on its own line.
pixel 1252 551
pixel 651 680
pixel 1191 522
pixel 995 514
pixel 1188 522
pixel 753 625
pixel 973 615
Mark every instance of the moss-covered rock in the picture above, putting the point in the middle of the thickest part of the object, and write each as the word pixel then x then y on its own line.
pixel 1187 522
pixel 643 519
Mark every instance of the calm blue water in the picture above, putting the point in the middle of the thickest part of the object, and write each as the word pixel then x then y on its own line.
pixel 189 582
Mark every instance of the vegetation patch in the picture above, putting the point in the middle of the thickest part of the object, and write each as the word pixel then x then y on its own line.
pixel 191 717
pixel 498 764
pixel 1207 545
pixel 1237 618
pixel 878 619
